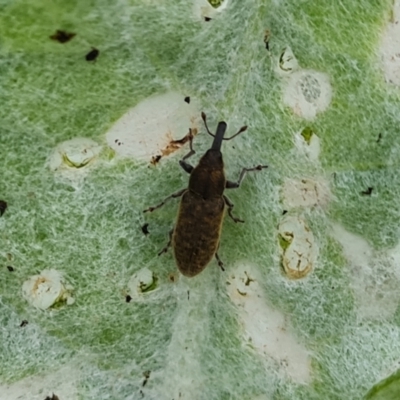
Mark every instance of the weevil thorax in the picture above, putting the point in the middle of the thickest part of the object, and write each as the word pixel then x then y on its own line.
pixel 208 178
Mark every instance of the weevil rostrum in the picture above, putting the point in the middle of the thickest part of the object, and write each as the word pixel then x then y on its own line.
pixel 196 235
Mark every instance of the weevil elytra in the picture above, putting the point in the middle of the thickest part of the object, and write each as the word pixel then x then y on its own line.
pixel 196 235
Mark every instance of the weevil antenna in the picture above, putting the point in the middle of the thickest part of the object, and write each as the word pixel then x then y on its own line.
pixel 242 129
pixel 204 117
pixel 219 136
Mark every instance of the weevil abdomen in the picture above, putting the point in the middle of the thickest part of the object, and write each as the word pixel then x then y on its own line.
pixel 195 239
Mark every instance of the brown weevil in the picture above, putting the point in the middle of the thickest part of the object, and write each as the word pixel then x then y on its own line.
pixel 196 235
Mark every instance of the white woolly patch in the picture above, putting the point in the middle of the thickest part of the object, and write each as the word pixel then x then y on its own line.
pixel 203 9
pixel 147 129
pixel 307 92
pixel 62 383
pixel 267 329
pixel 355 248
pixel 287 62
pixel 389 49
pixel 300 252
pixel 375 278
pixel 305 193
pixel 188 331
pixel 71 159
pixel 44 290
pixel 141 282
pixel 310 148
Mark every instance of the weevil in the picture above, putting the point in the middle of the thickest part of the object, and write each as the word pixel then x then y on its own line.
pixel 196 235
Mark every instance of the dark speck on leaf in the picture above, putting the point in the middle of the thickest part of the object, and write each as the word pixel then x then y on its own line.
pixel 146 375
pixel 128 298
pixel 367 192
pixel 92 55
pixel 267 36
pixel 207 19
pixel 53 397
pixel 155 159
pixel 62 36
pixel 284 212
pixel 145 230
pixel 10 268
pixel 187 99
pixel 3 207
pixel 23 323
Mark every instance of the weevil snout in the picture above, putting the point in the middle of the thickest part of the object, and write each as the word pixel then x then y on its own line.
pixel 219 136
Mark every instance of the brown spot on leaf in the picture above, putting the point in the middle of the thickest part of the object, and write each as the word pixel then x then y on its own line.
pixel 174 145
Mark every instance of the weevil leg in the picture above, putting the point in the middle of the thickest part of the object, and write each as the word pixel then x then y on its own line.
pixel 172 196
pixel 165 248
pixel 230 207
pixel 234 185
pixel 220 263
pixel 185 165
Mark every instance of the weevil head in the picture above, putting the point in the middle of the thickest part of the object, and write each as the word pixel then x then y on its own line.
pixel 211 163
pixel 208 179
pixel 211 160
